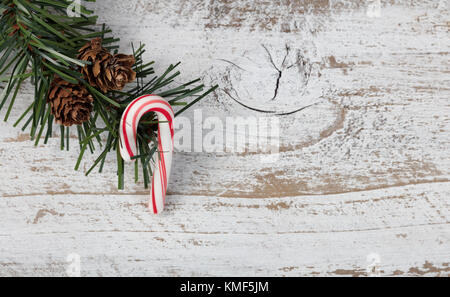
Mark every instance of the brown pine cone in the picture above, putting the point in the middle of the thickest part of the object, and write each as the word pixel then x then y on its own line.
pixel 118 71
pixel 70 104
pixel 93 52
pixel 106 72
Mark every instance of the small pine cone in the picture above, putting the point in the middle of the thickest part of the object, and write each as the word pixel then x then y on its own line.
pixel 106 72
pixel 70 104
pixel 118 71
pixel 93 52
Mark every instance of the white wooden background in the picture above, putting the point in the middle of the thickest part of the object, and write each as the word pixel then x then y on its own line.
pixel 363 171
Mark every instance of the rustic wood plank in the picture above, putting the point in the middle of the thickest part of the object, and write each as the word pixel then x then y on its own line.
pixel 327 235
pixel 363 169
pixel 379 85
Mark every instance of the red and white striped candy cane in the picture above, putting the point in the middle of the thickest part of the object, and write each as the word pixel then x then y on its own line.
pixel 128 142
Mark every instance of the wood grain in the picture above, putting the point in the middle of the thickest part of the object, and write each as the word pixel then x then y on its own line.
pixel 363 168
pixel 327 235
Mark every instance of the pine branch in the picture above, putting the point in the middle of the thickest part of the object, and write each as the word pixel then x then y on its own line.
pixel 38 40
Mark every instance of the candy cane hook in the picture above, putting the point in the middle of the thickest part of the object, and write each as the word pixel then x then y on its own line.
pixel 128 142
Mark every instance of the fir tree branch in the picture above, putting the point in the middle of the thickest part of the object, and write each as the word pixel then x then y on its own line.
pixel 38 40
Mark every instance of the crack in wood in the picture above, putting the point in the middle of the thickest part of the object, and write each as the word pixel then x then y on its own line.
pixel 304 69
pixel 269 111
pixel 232 63
pixel 280 72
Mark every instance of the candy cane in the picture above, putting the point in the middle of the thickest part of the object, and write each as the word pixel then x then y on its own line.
pixel 128 142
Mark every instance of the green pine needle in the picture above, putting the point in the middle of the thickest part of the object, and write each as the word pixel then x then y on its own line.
pixel 38 40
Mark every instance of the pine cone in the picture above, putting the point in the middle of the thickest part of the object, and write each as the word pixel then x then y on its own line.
pixel 118 71
pixel 106 72
pixel 70 104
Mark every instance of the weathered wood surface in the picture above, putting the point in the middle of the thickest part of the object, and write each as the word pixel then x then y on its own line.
pixel 364 169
